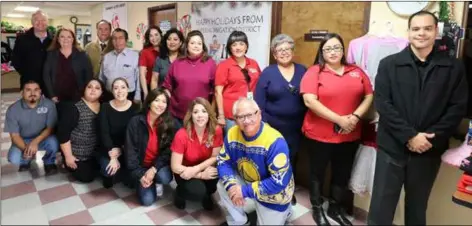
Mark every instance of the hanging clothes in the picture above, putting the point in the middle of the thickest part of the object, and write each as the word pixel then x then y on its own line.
pixel 366 52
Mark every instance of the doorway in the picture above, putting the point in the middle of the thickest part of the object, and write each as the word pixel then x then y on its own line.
pixel 163 16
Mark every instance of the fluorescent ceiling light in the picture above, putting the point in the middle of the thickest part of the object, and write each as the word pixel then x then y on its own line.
pixel 15 15
pixel 26 8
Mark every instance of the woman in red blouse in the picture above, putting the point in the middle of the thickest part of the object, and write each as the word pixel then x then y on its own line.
pixel 194 151
pixel 235 77
pixel 152 40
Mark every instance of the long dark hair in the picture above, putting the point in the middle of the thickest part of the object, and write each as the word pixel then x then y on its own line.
pixel 165 122
pixel 198 33
pixel 319 56
pixel 102 85
pixel 163 49
pixel 147 41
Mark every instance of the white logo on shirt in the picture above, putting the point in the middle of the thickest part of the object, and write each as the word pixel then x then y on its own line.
pixel 252 70
pixel 42 110
pixel 355 74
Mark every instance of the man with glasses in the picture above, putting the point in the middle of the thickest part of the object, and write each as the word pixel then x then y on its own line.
pixel 121 62
pixel 254 164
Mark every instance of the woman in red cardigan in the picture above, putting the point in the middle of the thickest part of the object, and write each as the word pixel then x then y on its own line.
pixel 194 151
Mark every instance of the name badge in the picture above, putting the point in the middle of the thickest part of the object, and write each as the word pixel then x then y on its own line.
pixel 250 96
pixel 42 110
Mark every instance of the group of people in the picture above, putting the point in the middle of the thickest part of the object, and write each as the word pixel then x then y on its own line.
pixel 169 112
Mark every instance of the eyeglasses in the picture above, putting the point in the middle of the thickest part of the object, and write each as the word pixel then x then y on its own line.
pixel 336 49
pixel 286 50
pixel 242 118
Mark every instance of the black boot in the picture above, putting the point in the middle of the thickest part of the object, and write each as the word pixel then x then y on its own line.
pixel 335 210
pixel 318 213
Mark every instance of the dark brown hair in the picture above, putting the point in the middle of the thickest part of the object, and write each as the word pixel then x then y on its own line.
pixel 185 54
pixel 147 34
pixel 165 122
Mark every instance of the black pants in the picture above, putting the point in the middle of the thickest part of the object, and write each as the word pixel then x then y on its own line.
pixel 194 189
pixel 417 174
pixel 86 170
pixel 341 157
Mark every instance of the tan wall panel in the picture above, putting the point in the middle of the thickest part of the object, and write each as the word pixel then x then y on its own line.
pixel 299 17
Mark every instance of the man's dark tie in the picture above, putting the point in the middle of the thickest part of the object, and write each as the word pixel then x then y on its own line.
pixel 103 45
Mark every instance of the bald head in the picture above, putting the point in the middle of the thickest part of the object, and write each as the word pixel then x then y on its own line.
pixel 39 20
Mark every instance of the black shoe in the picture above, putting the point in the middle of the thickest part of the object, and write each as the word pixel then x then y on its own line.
pixel 294 200
pixel 319 216
pixel 208 203
pixel 179 202
pixel 25 167
pixel 50 169
pixel 107 182
pixel 338 214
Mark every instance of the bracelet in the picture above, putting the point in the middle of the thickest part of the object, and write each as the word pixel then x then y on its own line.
pixel 357 116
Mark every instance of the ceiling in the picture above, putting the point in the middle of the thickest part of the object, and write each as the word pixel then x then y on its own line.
pixel 52 9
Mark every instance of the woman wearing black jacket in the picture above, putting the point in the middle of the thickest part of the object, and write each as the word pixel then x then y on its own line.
pixel 147 146
pixel 66 70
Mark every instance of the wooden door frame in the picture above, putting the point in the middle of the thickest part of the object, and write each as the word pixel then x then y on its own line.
pixel 276 24
pixel 465 17
pixel 154 9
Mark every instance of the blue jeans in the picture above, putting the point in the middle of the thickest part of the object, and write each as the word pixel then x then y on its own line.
pixel 147 196
pixel 229 123
pixel 50 145
pixel 104 161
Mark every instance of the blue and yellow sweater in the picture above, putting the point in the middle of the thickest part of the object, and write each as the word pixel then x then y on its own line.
pixel 262 162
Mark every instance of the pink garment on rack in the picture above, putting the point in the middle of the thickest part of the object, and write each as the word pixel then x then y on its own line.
pixel 454 156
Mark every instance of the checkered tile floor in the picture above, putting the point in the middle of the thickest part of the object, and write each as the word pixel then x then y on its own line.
pixel 31 198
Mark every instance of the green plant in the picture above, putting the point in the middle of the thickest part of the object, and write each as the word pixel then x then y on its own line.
pixel 443 11
pixel 51 29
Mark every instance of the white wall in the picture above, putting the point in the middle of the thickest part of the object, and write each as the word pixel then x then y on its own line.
pixel 137 13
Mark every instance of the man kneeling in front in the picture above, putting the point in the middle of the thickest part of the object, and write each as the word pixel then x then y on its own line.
pixel 254 164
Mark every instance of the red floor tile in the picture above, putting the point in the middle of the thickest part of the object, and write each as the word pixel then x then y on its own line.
pixel 303 198
pixel 18 189
pixel 80 218
pixel 4 154
pixel 132 201
pixel 215 217
pixel 56 193
pixel 165 214
pixel 9 169
pixel 98 197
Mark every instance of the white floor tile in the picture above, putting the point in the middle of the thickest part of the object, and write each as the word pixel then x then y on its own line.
pixel 3 125
pixel 187 220
pixel 51 181
pixel 64 207
pixel 4 161
pixel 108 210
pixel 5 135
pixel 34 216
pixel 20 204
pixel 5 146
pixel 15 178
pixel 297 211
pixel 3 118
pixel 122 191
pixel 130 218
pixel 82 188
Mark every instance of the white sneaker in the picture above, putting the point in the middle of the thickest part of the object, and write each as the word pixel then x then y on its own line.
pixel 159 190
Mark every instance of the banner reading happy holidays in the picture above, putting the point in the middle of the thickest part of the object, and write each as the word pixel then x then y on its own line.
pixel 117 14
pixel 216 20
